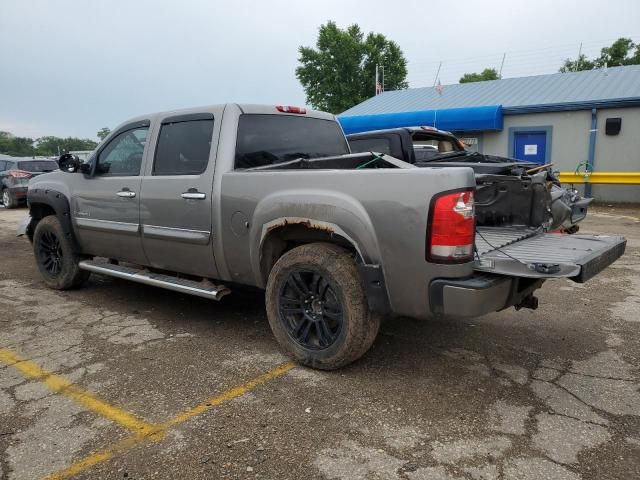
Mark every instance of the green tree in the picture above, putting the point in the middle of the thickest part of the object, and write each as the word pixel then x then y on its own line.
pixel 53 145
pixel 16 146
pixel 621 52
pixel 486 74
pixel 340 72
pixel 580 63
pixel 103 133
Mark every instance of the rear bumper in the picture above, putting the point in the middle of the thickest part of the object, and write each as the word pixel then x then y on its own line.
pixel 479 294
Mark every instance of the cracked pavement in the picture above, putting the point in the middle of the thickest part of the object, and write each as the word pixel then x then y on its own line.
pixel 546 394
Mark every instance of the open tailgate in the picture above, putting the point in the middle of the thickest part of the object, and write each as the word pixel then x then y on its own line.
pixel 525 252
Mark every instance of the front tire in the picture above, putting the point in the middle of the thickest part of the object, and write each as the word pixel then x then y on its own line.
pixel 317 307
pixel 55 256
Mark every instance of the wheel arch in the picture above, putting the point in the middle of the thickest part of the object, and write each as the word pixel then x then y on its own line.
pixel 285 234
pixel 282 235
pixel 46 202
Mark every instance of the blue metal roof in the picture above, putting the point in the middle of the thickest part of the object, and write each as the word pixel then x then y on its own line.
pixel 454 119
pixel 618 86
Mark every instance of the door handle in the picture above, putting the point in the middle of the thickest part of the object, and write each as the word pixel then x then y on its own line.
pixel 126 193
pixel 193 195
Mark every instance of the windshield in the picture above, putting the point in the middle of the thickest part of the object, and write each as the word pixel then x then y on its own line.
pixel 38 166
pixel 271 139
pixel 428 146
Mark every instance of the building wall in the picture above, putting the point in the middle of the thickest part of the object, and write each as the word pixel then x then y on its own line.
pixel 618 153
pixel 569 138
pixel 570 145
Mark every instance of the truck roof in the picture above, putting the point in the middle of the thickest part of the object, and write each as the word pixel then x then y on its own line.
pixel 252 108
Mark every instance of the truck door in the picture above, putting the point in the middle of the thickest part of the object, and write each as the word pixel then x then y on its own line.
pixel 106 205
pixel 176 200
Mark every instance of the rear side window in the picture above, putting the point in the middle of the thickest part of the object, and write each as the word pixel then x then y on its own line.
pixel 378 145
pixel 183 147
pixel 270 139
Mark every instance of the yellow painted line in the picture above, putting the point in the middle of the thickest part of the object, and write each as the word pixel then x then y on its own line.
pixel 160 430
pixel 64 387
pixel 228 395
pixel 96 458
pixel 611 178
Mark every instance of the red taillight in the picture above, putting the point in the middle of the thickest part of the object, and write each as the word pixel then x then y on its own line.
pixel 451 231
pixel 289 109
pixel 19 174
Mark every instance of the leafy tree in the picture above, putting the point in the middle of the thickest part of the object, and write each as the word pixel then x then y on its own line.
pixel 580 63
pixel 44 146
pixel 621 52
pixel 486 74
pixel 52 145
pixel 103 133
pixel 15 146
pixel 340 72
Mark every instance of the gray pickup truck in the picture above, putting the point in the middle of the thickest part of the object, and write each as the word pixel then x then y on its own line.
pixel 270 196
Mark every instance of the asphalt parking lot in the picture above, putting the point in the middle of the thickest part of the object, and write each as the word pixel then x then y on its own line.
pixel 119 380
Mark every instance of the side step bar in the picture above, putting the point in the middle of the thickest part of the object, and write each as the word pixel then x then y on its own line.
pixel 201 289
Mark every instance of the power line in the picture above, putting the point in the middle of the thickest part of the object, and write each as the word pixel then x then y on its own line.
pixel 514 63
pixel 516 53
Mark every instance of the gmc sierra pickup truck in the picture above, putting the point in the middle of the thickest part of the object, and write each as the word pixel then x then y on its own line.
pixel 270 196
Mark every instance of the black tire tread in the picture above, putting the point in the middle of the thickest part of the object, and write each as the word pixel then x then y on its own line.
pixel 71 276
pixel 362 325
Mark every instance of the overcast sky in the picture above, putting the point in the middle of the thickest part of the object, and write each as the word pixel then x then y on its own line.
pixel 71 67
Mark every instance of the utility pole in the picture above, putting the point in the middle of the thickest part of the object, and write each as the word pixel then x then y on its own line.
pixel 504 55
pixel 376 79
pixel 437 74
pixel 382 89
pixel 577 67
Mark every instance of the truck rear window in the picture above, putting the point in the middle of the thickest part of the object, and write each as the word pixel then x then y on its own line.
pixel 270 139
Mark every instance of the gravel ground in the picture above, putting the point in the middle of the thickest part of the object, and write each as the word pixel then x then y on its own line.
pixel 101 383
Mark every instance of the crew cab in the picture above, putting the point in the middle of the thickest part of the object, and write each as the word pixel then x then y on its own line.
pixel 200 200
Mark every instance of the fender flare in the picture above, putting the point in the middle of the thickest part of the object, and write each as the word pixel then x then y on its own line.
pixel 60 205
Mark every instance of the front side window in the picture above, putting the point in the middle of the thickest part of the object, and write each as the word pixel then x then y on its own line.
pixel 183 148
pixel 123 155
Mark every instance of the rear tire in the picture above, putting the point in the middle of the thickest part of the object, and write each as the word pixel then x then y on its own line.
pixel 55 256
pixel 317 307
pixel 8 200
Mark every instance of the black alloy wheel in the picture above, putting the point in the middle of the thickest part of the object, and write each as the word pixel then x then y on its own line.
pixel 310 310
pixel 50 253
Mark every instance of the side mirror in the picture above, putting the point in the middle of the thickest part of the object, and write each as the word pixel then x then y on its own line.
pixel 69 163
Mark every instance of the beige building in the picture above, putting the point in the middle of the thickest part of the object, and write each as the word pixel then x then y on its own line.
pixel 579 121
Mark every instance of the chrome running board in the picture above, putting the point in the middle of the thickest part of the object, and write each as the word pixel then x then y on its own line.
pixel 203 289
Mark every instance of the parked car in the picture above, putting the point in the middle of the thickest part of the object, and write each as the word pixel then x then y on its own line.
pixel 270 196
pixel 15 175
pixel 508 191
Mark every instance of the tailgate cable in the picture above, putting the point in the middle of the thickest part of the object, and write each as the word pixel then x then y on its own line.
pixel 546 268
